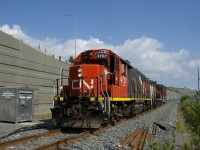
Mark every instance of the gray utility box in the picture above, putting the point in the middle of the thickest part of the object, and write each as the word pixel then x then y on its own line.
pixel 16 104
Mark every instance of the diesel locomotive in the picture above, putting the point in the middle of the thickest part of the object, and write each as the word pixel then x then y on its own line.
pixel 103 87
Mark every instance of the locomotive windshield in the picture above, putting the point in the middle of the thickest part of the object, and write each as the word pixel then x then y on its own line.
pixel 100 58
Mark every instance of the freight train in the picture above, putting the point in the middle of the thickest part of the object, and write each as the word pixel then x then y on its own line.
pixel 102 87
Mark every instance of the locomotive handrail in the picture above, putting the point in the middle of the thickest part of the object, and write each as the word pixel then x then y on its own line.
pixel 57 84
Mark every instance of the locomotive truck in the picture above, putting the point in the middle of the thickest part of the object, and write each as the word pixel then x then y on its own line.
pixel 103 87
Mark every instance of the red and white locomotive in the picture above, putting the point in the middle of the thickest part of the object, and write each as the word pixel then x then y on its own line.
pixel 103 87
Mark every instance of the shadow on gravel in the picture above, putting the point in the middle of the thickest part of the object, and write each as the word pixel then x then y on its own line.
pixel 163 127
pixel 45 124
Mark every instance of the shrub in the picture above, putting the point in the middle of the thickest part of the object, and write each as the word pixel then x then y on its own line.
pixel 191 111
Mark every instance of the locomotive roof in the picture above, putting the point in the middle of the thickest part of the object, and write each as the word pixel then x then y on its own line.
pixel 110 52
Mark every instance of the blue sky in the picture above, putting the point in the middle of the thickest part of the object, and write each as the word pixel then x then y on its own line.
pixel 165 27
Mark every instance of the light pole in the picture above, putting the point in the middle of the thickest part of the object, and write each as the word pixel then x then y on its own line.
pixel 75 30
pixel 42 32
pixel 198 78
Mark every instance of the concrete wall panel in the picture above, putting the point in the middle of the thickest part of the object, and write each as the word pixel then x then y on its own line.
pixel 22 65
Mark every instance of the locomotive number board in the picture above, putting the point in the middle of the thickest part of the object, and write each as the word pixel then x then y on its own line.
pixel 102 56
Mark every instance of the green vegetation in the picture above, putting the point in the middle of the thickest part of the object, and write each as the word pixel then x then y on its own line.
pixel 182 127
pixel 189 125
pixel 168 145
pixel 71 59
pixel 191 110
pixel 155 146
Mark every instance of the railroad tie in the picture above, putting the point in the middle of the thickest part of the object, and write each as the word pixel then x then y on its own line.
pixel 135 142
pixel 141 144
pixel 128 139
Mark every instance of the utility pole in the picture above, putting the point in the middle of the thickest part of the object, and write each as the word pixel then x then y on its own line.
pixel 75 31
pixel 198 79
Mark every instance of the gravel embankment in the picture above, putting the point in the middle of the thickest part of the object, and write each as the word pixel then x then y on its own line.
pixel 165 115
pixel 26 129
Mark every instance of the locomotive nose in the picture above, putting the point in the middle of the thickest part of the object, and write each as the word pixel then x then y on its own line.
pixel 85 79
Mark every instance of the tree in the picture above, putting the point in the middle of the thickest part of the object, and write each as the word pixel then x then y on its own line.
pixel 71 59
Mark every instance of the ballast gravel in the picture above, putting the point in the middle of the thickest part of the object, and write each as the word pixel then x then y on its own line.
pixel 165 115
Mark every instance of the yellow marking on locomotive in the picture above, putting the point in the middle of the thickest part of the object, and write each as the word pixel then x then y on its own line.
pixel 92 99
pixel 100 98
pixel 61 98
pixel 128 99
pixel 121 99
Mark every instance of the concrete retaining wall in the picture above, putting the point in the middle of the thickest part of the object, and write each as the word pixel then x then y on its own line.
pixel 22 65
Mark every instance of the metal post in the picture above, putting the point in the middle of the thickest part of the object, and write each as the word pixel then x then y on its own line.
pixel 42 32
pixel 75 31
pixel 198 79
pixel 61 76
pixel 57 86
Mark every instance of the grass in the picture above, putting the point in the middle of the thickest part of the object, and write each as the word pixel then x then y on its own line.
pixel 182 127
pixel 167 145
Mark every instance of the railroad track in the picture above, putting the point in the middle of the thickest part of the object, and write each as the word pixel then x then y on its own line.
pixel 6 144
pixel 63 141
pixel 72 139
pixel 58 143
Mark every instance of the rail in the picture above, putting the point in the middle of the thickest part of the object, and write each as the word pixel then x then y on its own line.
pixel 4 145
pixel 72 139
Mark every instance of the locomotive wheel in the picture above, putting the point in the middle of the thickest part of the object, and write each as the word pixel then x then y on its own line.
pixel 116 117
pixel 56 116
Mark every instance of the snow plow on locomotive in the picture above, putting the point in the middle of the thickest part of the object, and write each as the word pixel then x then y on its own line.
pixel 102 87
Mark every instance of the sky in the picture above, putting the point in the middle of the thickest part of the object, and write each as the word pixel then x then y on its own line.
pixel 161 38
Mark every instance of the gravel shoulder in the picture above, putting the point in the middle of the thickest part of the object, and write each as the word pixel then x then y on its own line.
pixel 165 115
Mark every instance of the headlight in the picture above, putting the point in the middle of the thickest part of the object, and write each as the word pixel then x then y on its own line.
pixel 92 86
pixel 80 70
pixel 80 75
pixel 61 87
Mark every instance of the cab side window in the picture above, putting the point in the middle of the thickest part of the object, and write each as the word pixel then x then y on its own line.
pixel 123 69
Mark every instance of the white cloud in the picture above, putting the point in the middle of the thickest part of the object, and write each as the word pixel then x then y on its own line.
pixel 144 53
pixel 194 63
